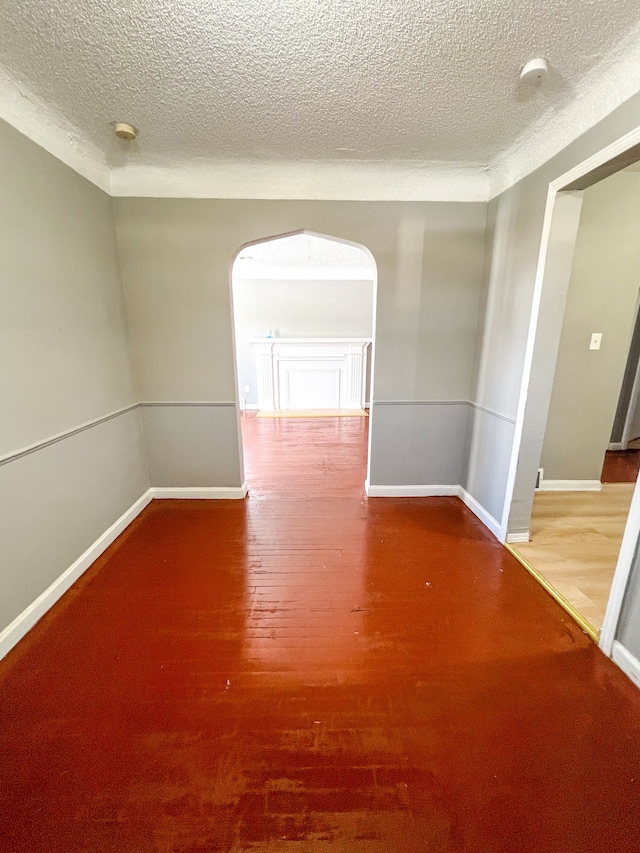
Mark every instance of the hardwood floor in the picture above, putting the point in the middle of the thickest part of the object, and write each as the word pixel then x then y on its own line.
pixel 309 671
pixel 575 541
pixel 620 466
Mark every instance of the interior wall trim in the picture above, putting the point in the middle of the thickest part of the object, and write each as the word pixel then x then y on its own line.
pixel 629 664
pixel 47 442
pixel 203 493
pixel 160 403
pixel 444 490
pixel 411 491
pixel 478 510
pixel 570 486
pixel 40 445
pixel 446 403
pixel 492 412
pixel 421 403
pixel 624 567
pixel 23 623
pixel 518 538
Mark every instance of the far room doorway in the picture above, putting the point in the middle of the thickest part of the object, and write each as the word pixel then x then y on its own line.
pixel 588 466
pixel 304 319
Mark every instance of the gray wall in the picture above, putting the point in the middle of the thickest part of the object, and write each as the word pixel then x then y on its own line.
pixel 519 214
pixel 64 361
pixel 302 308
pixel 602 297
pixel 175 259
pixel 510 281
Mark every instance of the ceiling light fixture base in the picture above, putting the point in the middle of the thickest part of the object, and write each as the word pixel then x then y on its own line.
pixel 125 131
pixel 534 71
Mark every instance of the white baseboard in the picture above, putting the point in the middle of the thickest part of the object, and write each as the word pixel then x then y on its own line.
pixel 616 445
pixel 571 486
pixel 477 509
pixel 251 407
pixel 629 664
pixel 519 538
pixel 205 493
pixel 436 491
pixel 23 623
pixel 410 491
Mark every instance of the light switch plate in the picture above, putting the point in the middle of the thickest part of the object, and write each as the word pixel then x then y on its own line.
pixel 596 340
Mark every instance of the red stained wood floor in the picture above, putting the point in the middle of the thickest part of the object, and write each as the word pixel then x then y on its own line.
pixel 309 670
pixel 620 466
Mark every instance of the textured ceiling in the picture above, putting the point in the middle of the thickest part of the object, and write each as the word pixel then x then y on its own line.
pixel 293 78
pixel 302 256
pixel 275 80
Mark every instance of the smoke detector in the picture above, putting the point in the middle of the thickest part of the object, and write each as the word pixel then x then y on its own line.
pixel 125 131
pixel 534 71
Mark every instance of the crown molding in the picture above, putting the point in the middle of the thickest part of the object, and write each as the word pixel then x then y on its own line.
pixel 305 179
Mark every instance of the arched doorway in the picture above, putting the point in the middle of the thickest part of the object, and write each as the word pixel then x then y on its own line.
pixel 303 309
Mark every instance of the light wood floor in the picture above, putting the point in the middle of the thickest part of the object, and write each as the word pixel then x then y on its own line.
pixel 575 540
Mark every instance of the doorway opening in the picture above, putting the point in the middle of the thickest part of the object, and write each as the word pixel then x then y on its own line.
pixel 304 319
pixel 578 403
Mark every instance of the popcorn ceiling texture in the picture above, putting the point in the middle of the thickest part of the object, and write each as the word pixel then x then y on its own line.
pixel 415 81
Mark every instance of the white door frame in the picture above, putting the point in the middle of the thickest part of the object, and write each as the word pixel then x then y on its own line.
pixel 635 391
pixel 335 239
pixel 632 529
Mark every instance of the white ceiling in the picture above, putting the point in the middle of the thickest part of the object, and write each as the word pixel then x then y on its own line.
pixel 237 85
pixel 302 256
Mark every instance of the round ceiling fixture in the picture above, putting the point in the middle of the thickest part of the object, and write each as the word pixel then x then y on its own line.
pixel 125 131
pixel 534 71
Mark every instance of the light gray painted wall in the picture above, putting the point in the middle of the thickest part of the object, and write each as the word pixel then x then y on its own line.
pixel 519 214
pixel 312 308
pixel 501 354
pixel 602 297
pixel 176 256
pixel 487 465
pixel 559 262
pixel 515 249
pixel 63 348
pixel 183 445
pixel 418 443
pixel 64 361
pixel 57 501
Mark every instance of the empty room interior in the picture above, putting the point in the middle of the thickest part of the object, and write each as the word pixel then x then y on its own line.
pixel 320 431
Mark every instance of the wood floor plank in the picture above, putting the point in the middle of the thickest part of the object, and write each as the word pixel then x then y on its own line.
pixel 312 670
pixel 575 542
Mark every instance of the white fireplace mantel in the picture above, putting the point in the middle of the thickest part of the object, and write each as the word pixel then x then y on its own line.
pixel 311 373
